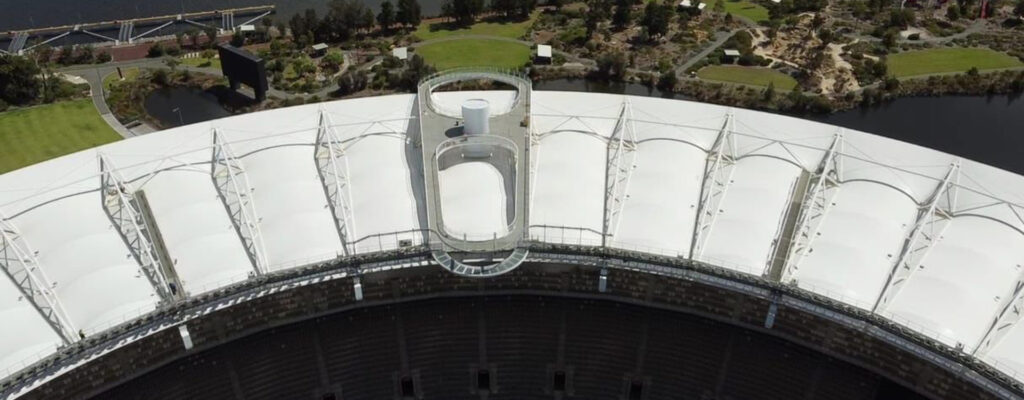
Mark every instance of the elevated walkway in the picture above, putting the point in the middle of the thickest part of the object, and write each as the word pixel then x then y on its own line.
pixel 441 130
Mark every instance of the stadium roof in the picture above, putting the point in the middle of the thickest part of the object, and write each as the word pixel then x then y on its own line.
pixel 917 236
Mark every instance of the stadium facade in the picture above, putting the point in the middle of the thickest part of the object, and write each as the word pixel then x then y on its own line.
pixel 898 259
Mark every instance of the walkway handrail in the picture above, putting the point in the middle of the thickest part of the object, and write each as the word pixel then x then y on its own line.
pixel 427 85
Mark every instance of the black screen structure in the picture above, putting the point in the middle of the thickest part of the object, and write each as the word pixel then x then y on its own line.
pixel 241 66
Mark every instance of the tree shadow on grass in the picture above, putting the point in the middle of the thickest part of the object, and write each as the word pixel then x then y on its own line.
pixel 454 25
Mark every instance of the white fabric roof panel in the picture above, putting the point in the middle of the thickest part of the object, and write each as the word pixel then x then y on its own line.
pixel 742 235
pixel 84 256
pixel 473 201
pixel 564 111
pixel 859 241
pixel 1006 354
pixel 955 297
pixel 295 220
pixel 382 191
pixel 871 158
pixel 568 188
pixel 958 290
pixel 25 336
pixel 203 245
pixel 661 205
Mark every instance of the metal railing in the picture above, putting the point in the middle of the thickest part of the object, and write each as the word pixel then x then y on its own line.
pixel 427 85
pixel 383 244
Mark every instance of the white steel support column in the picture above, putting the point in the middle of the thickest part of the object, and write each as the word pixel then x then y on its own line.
pixel 236 193
pixel 332 166
pixel 932 219
pixel 1010 314
pixel 20 264
pixel 119 204
pixel 618 169
pixel 817 200
pixel 717 176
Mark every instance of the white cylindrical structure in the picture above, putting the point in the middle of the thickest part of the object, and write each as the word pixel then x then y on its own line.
pixel 476 113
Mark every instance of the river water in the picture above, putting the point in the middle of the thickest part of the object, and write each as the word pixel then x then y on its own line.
pixel 22 14
pixel 985 129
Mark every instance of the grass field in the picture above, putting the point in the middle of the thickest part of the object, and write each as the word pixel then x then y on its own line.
pixel 112 79
pixel 945 60
pixel 747 75
pixel 742 8
pixel 40 133
pixel 474 53
pixel 514 30
pixel 201 62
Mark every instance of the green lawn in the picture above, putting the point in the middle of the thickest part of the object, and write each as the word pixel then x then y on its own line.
pixel 201 62
pixel 514 30
pixel 40 133
pixel 112 79
pixel 742 8
pixel 755 76
pixel 474 53
pixel 945 60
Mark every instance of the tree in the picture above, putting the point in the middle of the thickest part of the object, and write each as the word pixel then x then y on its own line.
pixel 902 18
pixel 352 81
pixel 889 38
pixel 506 7
pixel 1019 9
pixel 953 12
pixel 612 65
pixel 366 19
pixel 464 12
pixel 622 16
pixel 333 60
pixel 719 7
pixel 86 55
pixel 43 54
pixel 417 70
pixel 408 12
pixel 655 19
pixel 667 81
pixel 386 17
pixel 211 35
pixel 769 92
pixel 66 56
pixel 19 80
pixel 237 39
pixel 157 50
pixel 172 63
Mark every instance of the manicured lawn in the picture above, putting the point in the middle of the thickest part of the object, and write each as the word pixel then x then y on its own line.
pixel 742 8
pixel 201 62
pixel 945 60
pixel 514 30
pixel 747 75
pixel 112 79
pixel 37 134
pixel 474 53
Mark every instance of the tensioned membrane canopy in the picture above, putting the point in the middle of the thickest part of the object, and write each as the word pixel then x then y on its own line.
pixel 915 235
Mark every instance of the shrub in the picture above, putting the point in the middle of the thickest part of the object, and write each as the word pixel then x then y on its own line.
pixel 667 81
pixel 157 50
pixel 352 81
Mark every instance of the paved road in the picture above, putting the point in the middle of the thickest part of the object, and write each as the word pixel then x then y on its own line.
pixel 721 38
pixel 93 74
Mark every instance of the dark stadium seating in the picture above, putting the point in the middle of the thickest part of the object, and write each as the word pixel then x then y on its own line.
pixel 424 333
